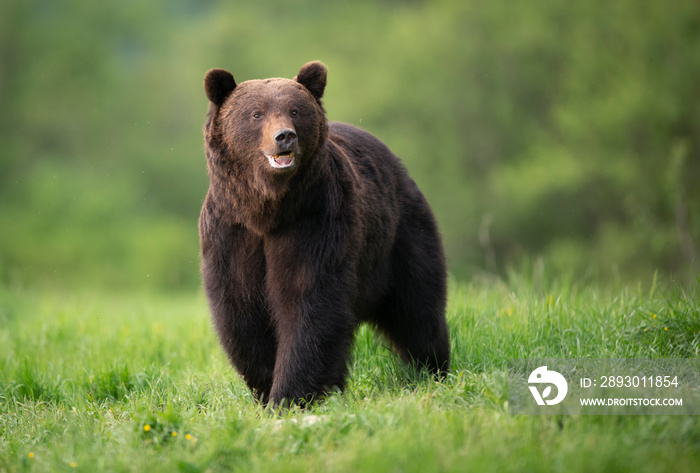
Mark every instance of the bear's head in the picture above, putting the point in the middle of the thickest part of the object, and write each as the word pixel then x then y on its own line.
pixel 267 130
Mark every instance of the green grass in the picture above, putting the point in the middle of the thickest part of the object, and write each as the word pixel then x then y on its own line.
pixel 82 374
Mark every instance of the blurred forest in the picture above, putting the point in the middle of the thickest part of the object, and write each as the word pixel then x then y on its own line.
pixel 566 133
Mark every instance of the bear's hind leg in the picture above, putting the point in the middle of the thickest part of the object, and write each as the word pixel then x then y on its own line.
pixel 412 314
pixel 418 333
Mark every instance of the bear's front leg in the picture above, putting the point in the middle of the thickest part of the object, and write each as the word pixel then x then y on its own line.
pixel 310 296
pixel 233 273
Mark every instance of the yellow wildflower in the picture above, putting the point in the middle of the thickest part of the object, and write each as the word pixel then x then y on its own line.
pixel 31 455
pixel 146 428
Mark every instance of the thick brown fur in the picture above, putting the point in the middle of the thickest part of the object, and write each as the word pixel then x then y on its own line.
pixel 295 257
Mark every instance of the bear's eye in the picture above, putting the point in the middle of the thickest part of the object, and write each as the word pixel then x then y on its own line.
pixel 294 113
pixel 257 115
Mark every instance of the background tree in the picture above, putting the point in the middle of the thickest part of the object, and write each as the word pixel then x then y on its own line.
pixel 567 132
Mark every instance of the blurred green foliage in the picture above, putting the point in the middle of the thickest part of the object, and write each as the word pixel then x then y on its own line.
pixel 563 131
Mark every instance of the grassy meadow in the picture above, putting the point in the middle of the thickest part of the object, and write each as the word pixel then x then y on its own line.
pixel 137 382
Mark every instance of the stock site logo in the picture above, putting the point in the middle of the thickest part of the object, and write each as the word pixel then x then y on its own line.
pixel 543 376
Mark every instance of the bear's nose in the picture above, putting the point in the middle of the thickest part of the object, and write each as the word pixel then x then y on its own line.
pixel 285 137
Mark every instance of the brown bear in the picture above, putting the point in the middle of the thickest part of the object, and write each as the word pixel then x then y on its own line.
pixel 310 228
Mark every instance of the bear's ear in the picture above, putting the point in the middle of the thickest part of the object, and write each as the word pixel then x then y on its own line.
pixel 312 75
pixel 218 84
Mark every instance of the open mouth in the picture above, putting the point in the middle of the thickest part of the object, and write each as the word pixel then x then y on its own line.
pixel 282 160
